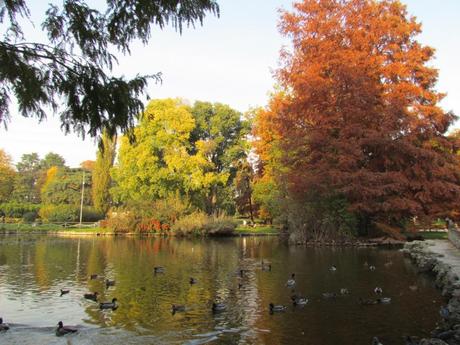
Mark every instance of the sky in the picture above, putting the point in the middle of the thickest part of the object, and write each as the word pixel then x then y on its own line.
pixel 229 59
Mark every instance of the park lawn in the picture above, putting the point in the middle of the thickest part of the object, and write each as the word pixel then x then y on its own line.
pixel 256 230
pixel 47 228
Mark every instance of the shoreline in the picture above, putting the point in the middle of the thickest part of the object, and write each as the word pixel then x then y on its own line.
pixel 71 233
pixel 441 259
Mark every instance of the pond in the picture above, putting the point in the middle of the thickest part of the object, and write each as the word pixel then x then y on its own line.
pixel 33 269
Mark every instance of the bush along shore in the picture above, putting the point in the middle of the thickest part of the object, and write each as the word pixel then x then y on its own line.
pixel 214 228
pixel 447 280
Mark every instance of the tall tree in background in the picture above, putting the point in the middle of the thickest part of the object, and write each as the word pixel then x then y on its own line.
pixel 180 150
pixel 52 159
pixel 158 163
pixel 72 68
pixel 101 173
pixel 222 131
pixel 359 125
pixel 26 188
pixel 7 176
pixel 64 186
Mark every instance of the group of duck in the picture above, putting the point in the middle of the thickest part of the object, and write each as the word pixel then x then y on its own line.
pixel 217 307
pixel 61 328
pixel 300 301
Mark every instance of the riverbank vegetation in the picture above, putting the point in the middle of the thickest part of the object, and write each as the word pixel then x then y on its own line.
pixel 353 142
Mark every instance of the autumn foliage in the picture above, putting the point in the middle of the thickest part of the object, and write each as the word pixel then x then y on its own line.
pixel 358 115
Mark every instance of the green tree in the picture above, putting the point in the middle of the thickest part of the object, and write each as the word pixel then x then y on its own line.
pixel 75 64
pixel 220 134
pixel 158 162
pixel 52 159
pixel 7 176
pixel 101 173
pixel 26 188
pixel 64 187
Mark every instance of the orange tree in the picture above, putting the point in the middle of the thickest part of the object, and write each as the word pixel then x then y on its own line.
pixel 359 119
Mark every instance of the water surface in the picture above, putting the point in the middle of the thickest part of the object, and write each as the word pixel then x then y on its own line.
pixel 33 269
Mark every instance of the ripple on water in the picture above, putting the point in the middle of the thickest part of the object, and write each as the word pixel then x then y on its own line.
pixel 29 294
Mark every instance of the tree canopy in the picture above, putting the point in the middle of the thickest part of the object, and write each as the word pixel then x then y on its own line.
pixel 71 72
pixel 192 151
pixel 357 119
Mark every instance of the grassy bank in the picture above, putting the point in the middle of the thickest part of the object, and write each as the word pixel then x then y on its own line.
pixel 45 228
pixel 257 230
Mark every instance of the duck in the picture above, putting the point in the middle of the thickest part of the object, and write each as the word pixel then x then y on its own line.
pixel 384 300
pixel 291 281
pixel 193 281
pixel 217 307
pixel 3 326
pixel 378 290
pixel 93 276
pixel 91 296
pixel 444 312
pixel 299 300
pixel 109 283
pixel 158 269
pixel 266 267
pixel 109 305
pixel 371 268
pixel 63 330
pixel 367 301
pixel 333 268
pixel 176 307
pixel 344 291
pixel 329 295
pixel 276 308
pixel 376 341
pixel 64 291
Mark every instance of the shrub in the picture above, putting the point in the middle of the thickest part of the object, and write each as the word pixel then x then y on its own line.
pixel 17 209
pixel 90 214
pixel 121 222
pixel 59 213
pixel 166 210
pixel 152 225
pixel 29 217
pixel 68 213
pixel 220 226
pixel 192 224
pixel 200 224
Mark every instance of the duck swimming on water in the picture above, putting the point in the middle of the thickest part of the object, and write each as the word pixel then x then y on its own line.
pixel 176 307
pixel 3 326
pixel 217 307
pixel 63 330
pixel 109 305
pixel 299 300
pixel 158 269
pixel 109 283
pixel 276 308
pixel 291 281
pixel 91 296
pixel 378 290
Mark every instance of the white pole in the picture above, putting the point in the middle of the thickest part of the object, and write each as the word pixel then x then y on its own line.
pixel 82 193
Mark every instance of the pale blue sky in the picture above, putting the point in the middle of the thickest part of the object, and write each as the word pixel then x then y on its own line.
pixel 229 60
